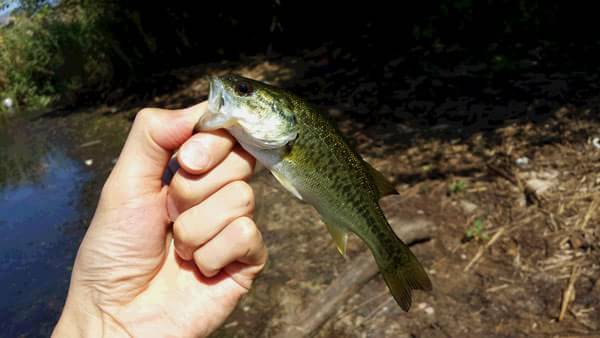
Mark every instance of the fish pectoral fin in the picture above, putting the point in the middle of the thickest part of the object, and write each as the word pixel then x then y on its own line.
pixel 339 235
pixel 384 186
pixel 286 184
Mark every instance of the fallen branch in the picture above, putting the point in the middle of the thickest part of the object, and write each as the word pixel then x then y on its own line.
pixel 483 248
pixel 569 293
pixel 509 176
pixel 362 269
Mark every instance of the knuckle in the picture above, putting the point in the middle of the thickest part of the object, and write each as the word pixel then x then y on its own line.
pixel 247 230
pixel 149 119
pixel 146 115
pixel 244 194
pixel 244 164
pixel 208 267
pixel 262 256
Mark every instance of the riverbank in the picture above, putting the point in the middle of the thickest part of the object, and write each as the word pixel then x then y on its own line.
pixel 511 185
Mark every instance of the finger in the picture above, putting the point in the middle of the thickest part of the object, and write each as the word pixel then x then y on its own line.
pixel 204 150
pixel 199 153
pixel 187 190
pixel 154 135
pixel 199 224
pixel 240 241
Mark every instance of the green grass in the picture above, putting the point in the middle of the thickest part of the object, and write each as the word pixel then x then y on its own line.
pixel 456 187
pixel 476 231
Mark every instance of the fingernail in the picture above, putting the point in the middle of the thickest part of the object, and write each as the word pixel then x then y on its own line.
pixel 195 155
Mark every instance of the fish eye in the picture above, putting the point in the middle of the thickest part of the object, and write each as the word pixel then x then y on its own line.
pixel 243 88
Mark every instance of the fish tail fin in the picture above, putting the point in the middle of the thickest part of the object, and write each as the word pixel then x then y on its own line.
pixel 402 273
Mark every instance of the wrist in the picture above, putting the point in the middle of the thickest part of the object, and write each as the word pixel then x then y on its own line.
pixel 80 320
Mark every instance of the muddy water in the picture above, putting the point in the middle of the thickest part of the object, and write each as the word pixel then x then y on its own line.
pixel 47 189
pixel 39 215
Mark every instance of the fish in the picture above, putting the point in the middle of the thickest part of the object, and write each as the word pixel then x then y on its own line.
pixel 310 157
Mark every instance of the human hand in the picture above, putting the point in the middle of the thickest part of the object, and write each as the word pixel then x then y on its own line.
pixel 134 274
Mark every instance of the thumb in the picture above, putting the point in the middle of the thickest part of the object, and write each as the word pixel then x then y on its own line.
pixel 154 136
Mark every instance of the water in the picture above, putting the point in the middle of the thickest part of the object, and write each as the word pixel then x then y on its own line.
pixel 42 222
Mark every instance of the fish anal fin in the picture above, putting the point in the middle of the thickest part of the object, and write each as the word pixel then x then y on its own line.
pixel 339 235
pixel 384 186
pixel 286 184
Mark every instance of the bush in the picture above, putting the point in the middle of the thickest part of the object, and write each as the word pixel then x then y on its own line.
pixel 49 57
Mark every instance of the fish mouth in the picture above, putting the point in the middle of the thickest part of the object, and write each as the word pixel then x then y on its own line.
pixel 214 118
pixel 215 94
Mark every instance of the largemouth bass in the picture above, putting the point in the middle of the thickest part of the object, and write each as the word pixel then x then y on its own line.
pixel 311 159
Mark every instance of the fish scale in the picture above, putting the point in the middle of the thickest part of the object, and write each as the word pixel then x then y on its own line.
pixel 311 159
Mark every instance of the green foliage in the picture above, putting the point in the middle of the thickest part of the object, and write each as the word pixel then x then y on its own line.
pixel 32 6
pixel 46 54
pixel 476 231
pixel 456 187
pixel 27 6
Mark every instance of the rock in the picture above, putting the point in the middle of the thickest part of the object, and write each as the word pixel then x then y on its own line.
pixel 398 222
pixel 596 142
pixel 522 161
pixel 467 206
pixel 540 182
pixel 538 186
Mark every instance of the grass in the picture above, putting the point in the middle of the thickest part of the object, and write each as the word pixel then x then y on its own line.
pixel 456 187
pixel 476 231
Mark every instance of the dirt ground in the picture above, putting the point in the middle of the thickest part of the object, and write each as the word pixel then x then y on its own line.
pixel 515 207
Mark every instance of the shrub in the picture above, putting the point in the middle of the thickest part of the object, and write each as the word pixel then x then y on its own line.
pixel 50 56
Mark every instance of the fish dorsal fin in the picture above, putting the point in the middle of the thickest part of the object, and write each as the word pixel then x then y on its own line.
pixel 384 187
pixel 339 235
pixel 286 184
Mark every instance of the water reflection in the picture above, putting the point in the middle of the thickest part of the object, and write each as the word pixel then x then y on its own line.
pixel 41 227
pixel 20 155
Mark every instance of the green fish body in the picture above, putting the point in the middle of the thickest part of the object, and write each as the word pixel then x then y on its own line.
pixel 311 159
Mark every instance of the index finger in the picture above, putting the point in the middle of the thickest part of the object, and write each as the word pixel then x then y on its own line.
pixel 204 150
